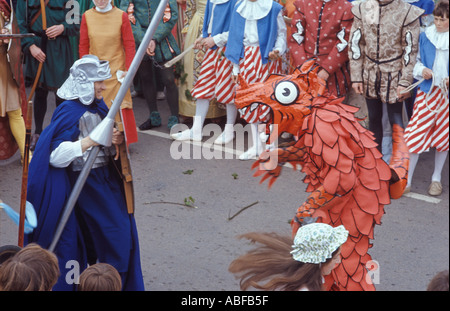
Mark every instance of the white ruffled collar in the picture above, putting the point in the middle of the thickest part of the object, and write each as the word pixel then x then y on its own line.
pixel 218 1
pixel 439 39
pixel 254 10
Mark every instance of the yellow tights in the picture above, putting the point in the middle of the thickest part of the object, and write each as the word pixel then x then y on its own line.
pixel 17 125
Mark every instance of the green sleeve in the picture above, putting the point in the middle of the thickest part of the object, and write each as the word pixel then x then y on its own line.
pixel 165 27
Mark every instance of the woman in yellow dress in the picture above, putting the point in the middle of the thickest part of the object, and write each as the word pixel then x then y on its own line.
pixel 195 11
pixel 105 32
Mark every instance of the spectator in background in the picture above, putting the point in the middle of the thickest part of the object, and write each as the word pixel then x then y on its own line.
pixel 30 269
pixel 51 47
pixel 425 20
pixel 215 77
pixel 193 61
pixel 100 277
pixel 257 38
pixel 105 32
pixel 12 88
pixel 429 124
pixel 162 48
pixel 439 282
pixel 382 51
pixel 321 30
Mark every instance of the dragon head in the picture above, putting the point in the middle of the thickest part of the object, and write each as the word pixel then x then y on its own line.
pixel 281 100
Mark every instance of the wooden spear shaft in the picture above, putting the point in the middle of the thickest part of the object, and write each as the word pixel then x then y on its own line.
pixel 26 160
pixel 26 155
pixel 68 208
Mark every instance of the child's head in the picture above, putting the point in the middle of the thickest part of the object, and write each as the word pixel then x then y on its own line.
pixel 100 277
pixel 30 269
pixel 282 264
pixel 439 282
pixel 8 251
pixel 441 14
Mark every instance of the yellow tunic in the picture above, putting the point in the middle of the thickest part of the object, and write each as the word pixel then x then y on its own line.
pixel 192 61
pixel 9 90
pixel 105 41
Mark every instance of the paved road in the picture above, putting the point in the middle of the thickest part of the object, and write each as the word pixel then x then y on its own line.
pixel 185 248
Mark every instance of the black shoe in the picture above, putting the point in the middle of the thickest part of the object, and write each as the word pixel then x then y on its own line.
pixel 147 125
pixel 33 141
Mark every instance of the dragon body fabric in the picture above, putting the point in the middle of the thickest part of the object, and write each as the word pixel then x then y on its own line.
pixel 348 181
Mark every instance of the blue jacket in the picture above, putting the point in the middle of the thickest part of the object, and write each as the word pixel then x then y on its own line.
pixel 221 17
pixel 267 34
pixel 427 56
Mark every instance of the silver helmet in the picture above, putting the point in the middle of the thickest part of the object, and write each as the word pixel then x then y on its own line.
pixel 80 83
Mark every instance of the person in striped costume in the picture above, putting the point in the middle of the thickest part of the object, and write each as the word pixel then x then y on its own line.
pixel 215 79
pixel 256 40
pixel 429 124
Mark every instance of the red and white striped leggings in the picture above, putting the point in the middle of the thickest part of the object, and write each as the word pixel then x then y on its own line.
pixel 428 127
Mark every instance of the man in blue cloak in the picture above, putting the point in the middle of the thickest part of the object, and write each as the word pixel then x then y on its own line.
pixel 100 227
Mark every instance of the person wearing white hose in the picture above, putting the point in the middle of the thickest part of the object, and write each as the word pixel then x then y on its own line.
pixel 429 124
pixel 257 38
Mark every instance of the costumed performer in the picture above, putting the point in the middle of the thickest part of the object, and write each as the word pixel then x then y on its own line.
pixel 215 79
pixel 429 125
pixel 192 62
pixel 281 263
pixel 321 30
pixel 12 88
pixel 51 47
pixel 162 48
pixel 382 51
pixel 105 32
pixel 257 38
pixel 425 20
pixel 100 211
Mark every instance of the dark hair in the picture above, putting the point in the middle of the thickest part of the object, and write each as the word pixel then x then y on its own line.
pixel 30 269
pixel 439 282
pixel 100 277
pixel 8 251
pixel 441 9
pixel 271 266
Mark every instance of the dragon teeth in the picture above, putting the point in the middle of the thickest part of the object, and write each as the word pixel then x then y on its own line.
pixel 242 111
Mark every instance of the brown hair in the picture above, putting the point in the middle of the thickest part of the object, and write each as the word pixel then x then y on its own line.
pixel 271 266
pixel 100 277
pixel 439 282
pixel 30 269
pixel 441 9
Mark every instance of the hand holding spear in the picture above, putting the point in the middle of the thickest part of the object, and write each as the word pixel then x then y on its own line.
pixel 102 134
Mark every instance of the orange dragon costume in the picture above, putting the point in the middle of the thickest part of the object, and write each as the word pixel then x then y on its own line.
pixel 349 181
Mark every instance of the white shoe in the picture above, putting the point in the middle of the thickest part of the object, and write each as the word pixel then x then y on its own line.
pixel 251 154
pixel 226 136
pixel 186 135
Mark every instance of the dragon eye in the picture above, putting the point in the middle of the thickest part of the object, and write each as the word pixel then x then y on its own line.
pixel 286 92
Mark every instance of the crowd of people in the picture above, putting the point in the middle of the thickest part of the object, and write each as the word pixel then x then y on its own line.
pixel 370 52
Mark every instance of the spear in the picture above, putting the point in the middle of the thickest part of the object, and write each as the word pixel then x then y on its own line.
pixel 16 36
pixel 102 134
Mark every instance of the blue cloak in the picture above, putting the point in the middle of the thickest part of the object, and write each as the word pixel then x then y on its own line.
pixel 101 206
